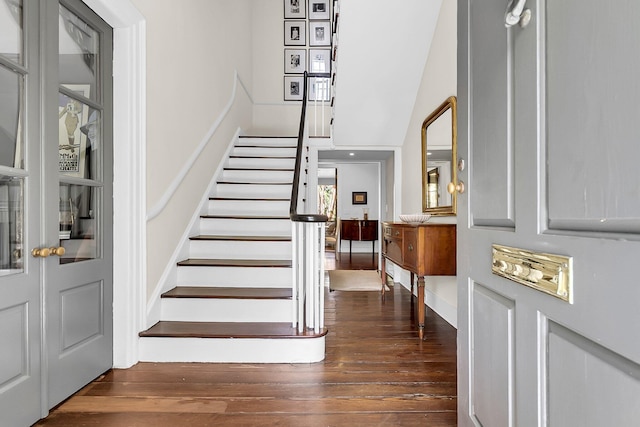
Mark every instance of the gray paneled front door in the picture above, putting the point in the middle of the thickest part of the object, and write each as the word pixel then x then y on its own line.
pixel 55 204
pixel 548 126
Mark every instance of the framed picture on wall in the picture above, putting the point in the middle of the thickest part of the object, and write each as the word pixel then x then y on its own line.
pixel 320 60
pixel 318 9
pixel 319 33
pixel 295 33
pixel 359 198
pixel 294 9
pixel 72 140
pixel 293 86
pixel 295 61
pixel 319 89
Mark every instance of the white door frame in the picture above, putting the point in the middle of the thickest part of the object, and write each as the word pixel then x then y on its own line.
pixel 129 171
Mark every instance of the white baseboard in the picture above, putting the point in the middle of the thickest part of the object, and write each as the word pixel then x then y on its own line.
pixel 445 306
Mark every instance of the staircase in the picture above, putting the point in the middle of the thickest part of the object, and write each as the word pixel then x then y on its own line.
pixel 233 297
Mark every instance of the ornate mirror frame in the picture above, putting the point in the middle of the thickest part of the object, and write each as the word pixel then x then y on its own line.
pixel 449 104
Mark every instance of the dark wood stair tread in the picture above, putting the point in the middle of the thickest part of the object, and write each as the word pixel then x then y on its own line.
pixel 247 156
pixel 260 169
pixel 245 216
pixel 243 238
pixel 227 330
pixel 252 199
pixel 252 183
pixel 228 293
pixel 205 262
pixel 266 137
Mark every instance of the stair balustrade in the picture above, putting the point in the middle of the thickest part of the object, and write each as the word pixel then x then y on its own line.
pixel 307 228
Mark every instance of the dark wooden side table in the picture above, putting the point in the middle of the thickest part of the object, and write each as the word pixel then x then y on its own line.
pixel 360 230
pixel 422 249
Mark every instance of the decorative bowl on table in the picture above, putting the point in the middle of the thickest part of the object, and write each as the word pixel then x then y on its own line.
pixel 415 218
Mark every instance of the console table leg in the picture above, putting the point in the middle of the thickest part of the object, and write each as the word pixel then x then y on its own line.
pixel 421 309
pixel 383 274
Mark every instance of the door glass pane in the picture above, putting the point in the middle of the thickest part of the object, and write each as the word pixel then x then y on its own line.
pixel 11 93
pixel 11 24
pixel 78 137
pixel 78 222
pixel 78 59
pixel 11 225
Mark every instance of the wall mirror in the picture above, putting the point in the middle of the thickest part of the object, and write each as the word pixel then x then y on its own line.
pixel 439 134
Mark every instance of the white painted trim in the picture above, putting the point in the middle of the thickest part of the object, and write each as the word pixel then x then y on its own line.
pixel 129 186
pixel 169 275
pixel 173 187
pixel 435 302
pixel 235 350
pixel 444 309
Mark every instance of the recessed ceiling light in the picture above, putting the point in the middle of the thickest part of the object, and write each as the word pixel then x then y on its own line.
pixel 352 154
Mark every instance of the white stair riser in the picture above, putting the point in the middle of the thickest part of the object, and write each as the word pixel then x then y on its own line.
pixel 261 163
pixel 263 151
pixel 262 191
pixel 234 350
pixel 226 310
pixel 241 277
pixel 225 249
pixel 248 207
pixel 245 227
pixel 267 142
pixel 256 176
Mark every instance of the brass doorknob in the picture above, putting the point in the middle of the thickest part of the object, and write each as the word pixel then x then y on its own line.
pixel 452 188
pixel 57 251
pixel 41 252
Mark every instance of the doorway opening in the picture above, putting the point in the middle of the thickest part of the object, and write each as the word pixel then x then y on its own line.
pixel 328 204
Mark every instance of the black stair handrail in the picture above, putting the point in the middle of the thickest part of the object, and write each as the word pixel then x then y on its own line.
pixel 293 209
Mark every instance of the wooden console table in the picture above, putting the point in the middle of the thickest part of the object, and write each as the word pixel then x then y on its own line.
pixel 422 249
pixel 359 229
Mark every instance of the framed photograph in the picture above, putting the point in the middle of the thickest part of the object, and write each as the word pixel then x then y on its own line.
pixel 294 9
pixel 295 33
pixel 319 60
pixel 293 86
pixel 319 89
pixel 359 198
pixel 319 9
pixel 73 116
pixel 295 61
pixel 319 33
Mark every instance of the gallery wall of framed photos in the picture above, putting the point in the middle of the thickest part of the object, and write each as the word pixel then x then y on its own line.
pixel 309 36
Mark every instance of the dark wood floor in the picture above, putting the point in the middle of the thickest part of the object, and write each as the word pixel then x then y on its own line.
pixel 376 373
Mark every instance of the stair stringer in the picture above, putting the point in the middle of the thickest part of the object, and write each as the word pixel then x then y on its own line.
pixel 258 348
pixel 170 273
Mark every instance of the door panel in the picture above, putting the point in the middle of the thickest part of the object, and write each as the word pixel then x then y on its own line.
pixel 527 358
pixel 600 190
pixel 492 338
pixel 571 385
pixel 79 281
pixel 492 101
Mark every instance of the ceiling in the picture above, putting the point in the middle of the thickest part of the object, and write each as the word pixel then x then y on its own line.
pixel 358 155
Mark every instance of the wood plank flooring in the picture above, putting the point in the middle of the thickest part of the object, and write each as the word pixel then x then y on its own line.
pixel 376 373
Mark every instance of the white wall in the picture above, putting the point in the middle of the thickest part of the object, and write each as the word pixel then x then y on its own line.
pixel 271 114
pixel 193 50
pixel 438 83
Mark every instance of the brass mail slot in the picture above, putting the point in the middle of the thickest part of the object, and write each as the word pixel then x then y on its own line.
pixel 548 273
